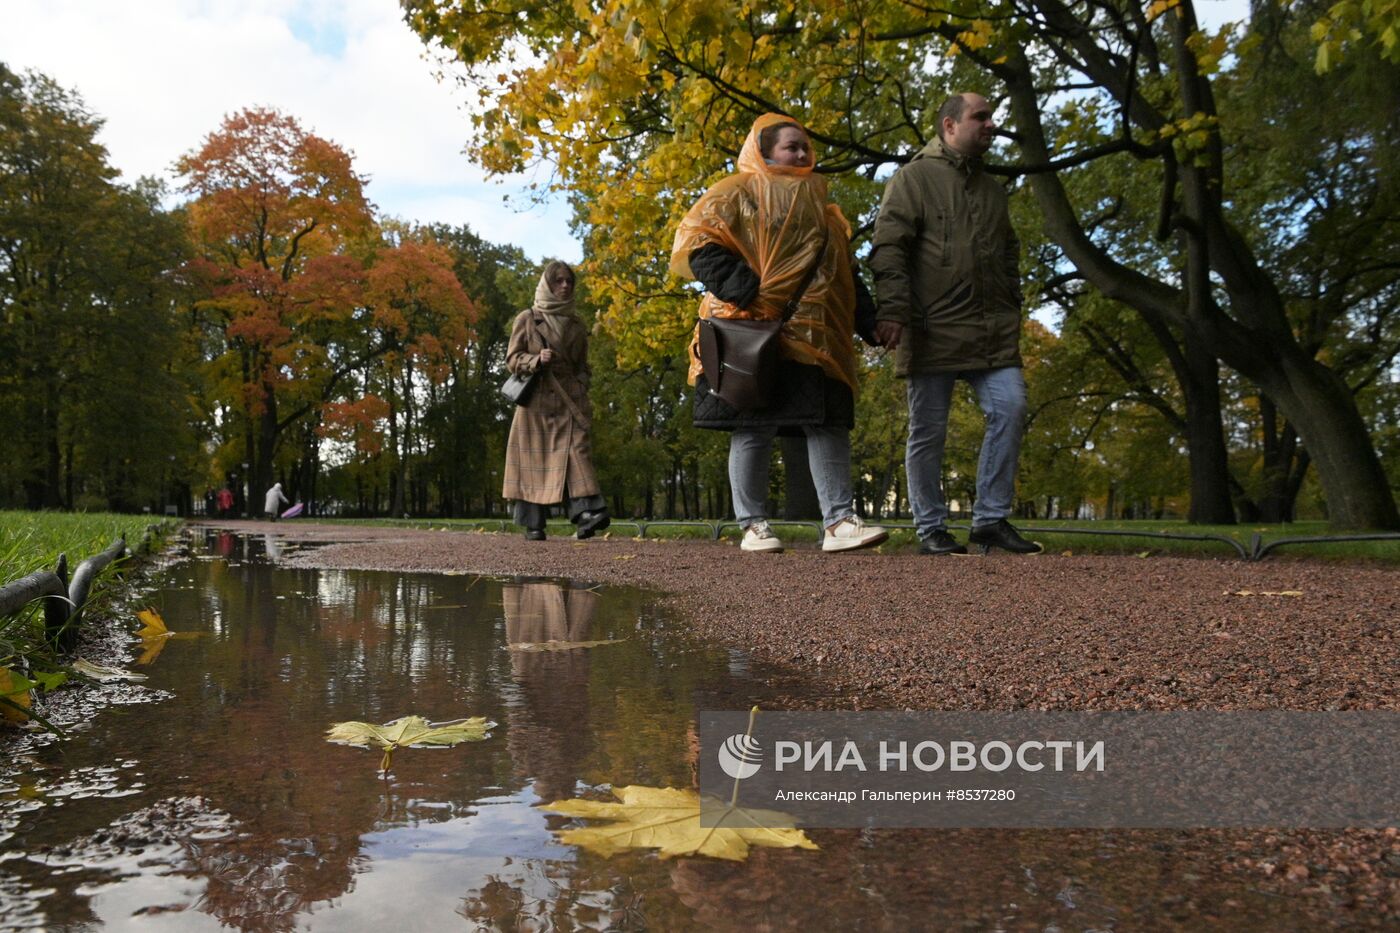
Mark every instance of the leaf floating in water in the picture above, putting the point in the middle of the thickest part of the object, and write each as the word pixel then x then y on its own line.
pixel 152 625
pixel 408 731
pixel 560 645
pixel 103 674
pixel 154 635
pixel 668 819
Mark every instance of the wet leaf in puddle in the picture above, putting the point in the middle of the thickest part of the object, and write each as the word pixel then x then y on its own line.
pixel 668 819
pixel 15 696
pixel 103 674
pixel 152 625
pixel 154 635
pixel 560 645
pixel 409 731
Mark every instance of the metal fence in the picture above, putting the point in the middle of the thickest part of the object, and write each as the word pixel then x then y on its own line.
pixel 1254 550
pixel 63 598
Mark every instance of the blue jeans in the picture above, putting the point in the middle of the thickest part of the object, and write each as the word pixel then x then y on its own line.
pixel 1001 393
pixel 828 454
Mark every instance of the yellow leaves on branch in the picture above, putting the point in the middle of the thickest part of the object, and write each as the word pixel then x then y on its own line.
pixel 409 732
pixel 1351 22
pixel 668 819
pixel 977 36
pixel 1157 7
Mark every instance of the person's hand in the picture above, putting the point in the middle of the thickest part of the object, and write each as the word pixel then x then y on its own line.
pixel 887 334
pixel 546 355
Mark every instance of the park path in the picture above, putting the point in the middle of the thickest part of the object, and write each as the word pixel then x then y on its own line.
pixel 1002 632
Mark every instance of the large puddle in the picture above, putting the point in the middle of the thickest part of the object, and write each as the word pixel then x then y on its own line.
pixel 221 804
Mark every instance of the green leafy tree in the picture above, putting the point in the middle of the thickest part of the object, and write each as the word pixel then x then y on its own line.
pixel 87 305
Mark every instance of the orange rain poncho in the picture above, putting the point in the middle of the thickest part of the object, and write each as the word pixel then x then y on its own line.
pixel 772 216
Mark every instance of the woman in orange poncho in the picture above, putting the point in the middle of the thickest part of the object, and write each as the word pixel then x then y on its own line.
pixel 750 241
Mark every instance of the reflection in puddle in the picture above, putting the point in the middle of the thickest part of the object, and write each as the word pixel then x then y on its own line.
pixel 221 804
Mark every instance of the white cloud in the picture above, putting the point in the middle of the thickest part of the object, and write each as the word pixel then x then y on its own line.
pixel 163 73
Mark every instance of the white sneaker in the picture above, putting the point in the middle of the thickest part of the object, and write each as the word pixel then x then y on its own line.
pixel 851 533
pixel 759 537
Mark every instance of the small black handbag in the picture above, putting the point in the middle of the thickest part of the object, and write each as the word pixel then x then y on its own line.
pixel 517 389
pixel 740 357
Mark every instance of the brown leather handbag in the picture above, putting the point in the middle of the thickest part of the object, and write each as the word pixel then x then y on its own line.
pixel 740 357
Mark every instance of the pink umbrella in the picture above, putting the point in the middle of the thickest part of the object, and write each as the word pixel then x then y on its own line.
pixel 294 511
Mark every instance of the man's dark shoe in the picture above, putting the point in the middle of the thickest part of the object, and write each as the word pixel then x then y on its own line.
pixel 1001 534
pixel 940 542
pixel 534 534
pixel 590 523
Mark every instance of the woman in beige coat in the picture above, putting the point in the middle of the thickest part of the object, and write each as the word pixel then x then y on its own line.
pixel 549 457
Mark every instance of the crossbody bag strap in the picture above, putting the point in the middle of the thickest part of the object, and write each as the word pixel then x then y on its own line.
pixel 796 300
pixel 555 379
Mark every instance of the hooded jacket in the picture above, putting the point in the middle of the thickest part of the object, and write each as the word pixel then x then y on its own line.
pixel 274 500
pixel 772 217
pixel 946 265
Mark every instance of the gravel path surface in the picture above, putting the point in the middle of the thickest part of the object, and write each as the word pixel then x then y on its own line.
pixel 905 631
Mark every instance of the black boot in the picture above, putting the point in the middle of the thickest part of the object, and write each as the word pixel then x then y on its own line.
pixel 534 534
pixel 941 542
pixel 590 523
pixel 1001 534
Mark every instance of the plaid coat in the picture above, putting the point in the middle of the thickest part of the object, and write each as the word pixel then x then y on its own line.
pixel 550 445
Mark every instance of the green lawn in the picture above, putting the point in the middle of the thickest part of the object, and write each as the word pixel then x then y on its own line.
pixel 31 541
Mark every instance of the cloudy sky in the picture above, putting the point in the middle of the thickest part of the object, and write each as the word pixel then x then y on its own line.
pixel 163 73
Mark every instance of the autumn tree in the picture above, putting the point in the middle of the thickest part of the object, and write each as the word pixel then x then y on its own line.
pixel 273 207
pixel 420 317
pixel 639 105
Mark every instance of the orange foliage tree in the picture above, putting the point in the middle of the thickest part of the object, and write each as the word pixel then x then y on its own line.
pixel 311 315
pixel 420 318
pixel 273 207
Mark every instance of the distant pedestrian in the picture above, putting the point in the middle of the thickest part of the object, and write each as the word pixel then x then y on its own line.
pixel 549 455
pixel 224 500
pixel 274 500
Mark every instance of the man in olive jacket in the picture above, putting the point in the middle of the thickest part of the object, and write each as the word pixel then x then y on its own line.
pixel 947 277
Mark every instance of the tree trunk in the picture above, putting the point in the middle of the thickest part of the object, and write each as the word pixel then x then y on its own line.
pixel 1205 439
pixel 1328 422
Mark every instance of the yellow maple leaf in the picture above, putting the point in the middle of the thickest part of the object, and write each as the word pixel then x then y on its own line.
pixel 15 689
pixel 152 625
pixel 154 635
pixel 668 819
pixel 408 732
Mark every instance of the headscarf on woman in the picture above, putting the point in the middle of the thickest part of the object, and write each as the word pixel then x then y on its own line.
pixel 772 216
pixel 560 314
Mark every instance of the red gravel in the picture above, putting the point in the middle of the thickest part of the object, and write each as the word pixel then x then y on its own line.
pixel 901 630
